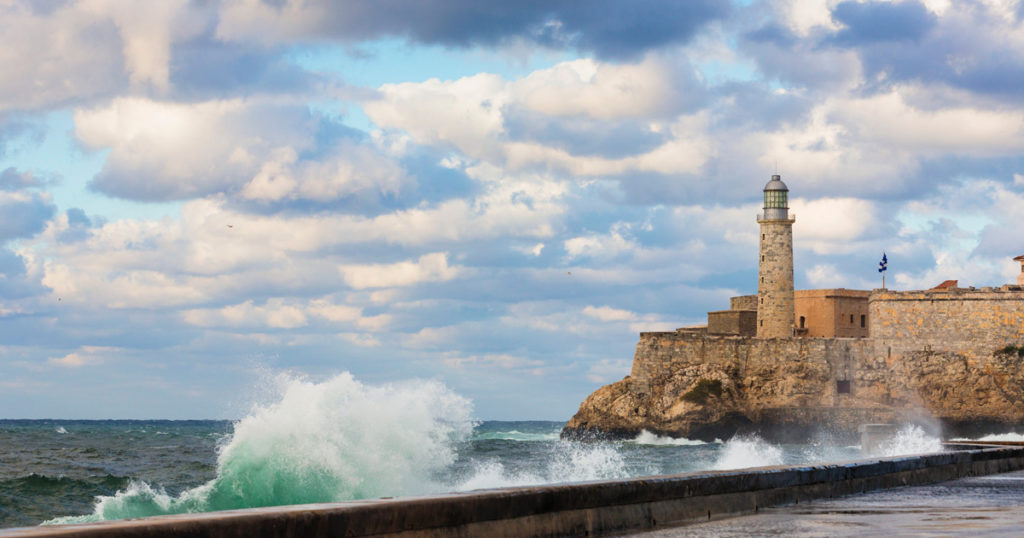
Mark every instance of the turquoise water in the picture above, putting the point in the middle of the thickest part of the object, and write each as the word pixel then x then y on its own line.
pixel 327 441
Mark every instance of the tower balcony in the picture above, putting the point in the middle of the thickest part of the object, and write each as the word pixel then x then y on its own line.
pixel 776 214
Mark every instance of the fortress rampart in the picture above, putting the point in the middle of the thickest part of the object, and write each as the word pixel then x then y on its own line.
pixel 970 322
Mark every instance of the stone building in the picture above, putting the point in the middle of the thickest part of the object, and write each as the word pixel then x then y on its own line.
pixel 1020 275
pixel 775 267
pixel 832 313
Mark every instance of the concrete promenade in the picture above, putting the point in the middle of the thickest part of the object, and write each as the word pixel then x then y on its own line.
pixel 592 508
pixel 990 505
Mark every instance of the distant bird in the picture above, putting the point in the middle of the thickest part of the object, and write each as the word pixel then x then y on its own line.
pixel 568 272
pixel 231 225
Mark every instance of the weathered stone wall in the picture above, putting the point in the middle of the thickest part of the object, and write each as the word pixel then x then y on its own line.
pixel 733 322
pixel 775 312
pixel 743 302
pixel 973 323
pixel 661 354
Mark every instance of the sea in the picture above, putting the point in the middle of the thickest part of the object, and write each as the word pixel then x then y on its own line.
pixel 336 439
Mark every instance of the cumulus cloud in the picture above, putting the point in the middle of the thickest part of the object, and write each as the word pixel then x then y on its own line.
pixel 428 268
pixel 474 115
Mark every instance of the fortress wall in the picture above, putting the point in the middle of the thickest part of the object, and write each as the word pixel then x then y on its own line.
pixel 758 362
pixel 973 323
pixel 743 302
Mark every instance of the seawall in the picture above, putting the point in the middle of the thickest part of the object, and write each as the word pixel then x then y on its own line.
pixel 582 509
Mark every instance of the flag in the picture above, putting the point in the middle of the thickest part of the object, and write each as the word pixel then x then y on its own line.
pixel 882 264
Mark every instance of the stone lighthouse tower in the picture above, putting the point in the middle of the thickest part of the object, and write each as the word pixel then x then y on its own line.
pixel 775 312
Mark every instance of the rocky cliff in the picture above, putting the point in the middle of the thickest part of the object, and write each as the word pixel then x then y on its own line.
pixel 701 387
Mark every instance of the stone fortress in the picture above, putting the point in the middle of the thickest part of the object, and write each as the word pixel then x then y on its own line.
pixel 792 364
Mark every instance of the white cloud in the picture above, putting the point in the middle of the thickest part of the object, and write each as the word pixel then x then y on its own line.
pixel 887 120
pixel 428 268
pixel 349 170
pixel 607 313
pixel 469 114
pixel 84 356
pixel 597 90
pixel 833 225
pixel 87 48
pixel 186 149
pixel 276 313
pixel 286 313
pixel 802 16
pixel 500 360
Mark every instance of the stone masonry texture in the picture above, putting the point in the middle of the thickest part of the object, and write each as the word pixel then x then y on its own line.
pixel 775 311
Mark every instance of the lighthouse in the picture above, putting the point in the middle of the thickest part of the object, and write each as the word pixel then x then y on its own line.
pixel 775 311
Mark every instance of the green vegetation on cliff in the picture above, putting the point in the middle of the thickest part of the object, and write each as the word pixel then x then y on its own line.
pixel 703 390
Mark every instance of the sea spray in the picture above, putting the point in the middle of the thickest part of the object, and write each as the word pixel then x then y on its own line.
pixel 647 438
pixel 319 442
pixel 909 439
pixel 565 462
pixel 1014 437
pixel 742 452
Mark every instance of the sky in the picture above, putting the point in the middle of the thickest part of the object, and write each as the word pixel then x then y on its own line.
pixel 198 196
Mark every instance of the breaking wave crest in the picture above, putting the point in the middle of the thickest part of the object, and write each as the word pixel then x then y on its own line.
pixel 319 442
pixel 910 439
pixel 744 452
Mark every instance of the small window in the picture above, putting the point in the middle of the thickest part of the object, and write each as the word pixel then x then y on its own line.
pixel 843 387
pixel 762 323
pixel 851 319
pixel 862 319
pixel 762 258
pixel 1021 267
pixel 762 300
pixel 802 320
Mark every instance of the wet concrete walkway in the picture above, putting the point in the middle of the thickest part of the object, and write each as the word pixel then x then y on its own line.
pixel 978 506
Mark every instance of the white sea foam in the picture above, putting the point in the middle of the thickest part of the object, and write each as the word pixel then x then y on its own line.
pixel 1016 437
pixel 60 429
pixel 910 439
pixel 647 438
pixel 744 452
pixel 568 462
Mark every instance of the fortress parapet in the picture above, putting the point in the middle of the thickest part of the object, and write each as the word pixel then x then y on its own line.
pixel 968 321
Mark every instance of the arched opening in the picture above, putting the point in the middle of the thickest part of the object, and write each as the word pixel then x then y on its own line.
pixel 802 321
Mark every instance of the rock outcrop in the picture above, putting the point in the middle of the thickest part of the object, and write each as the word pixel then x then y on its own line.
pixel 706 387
